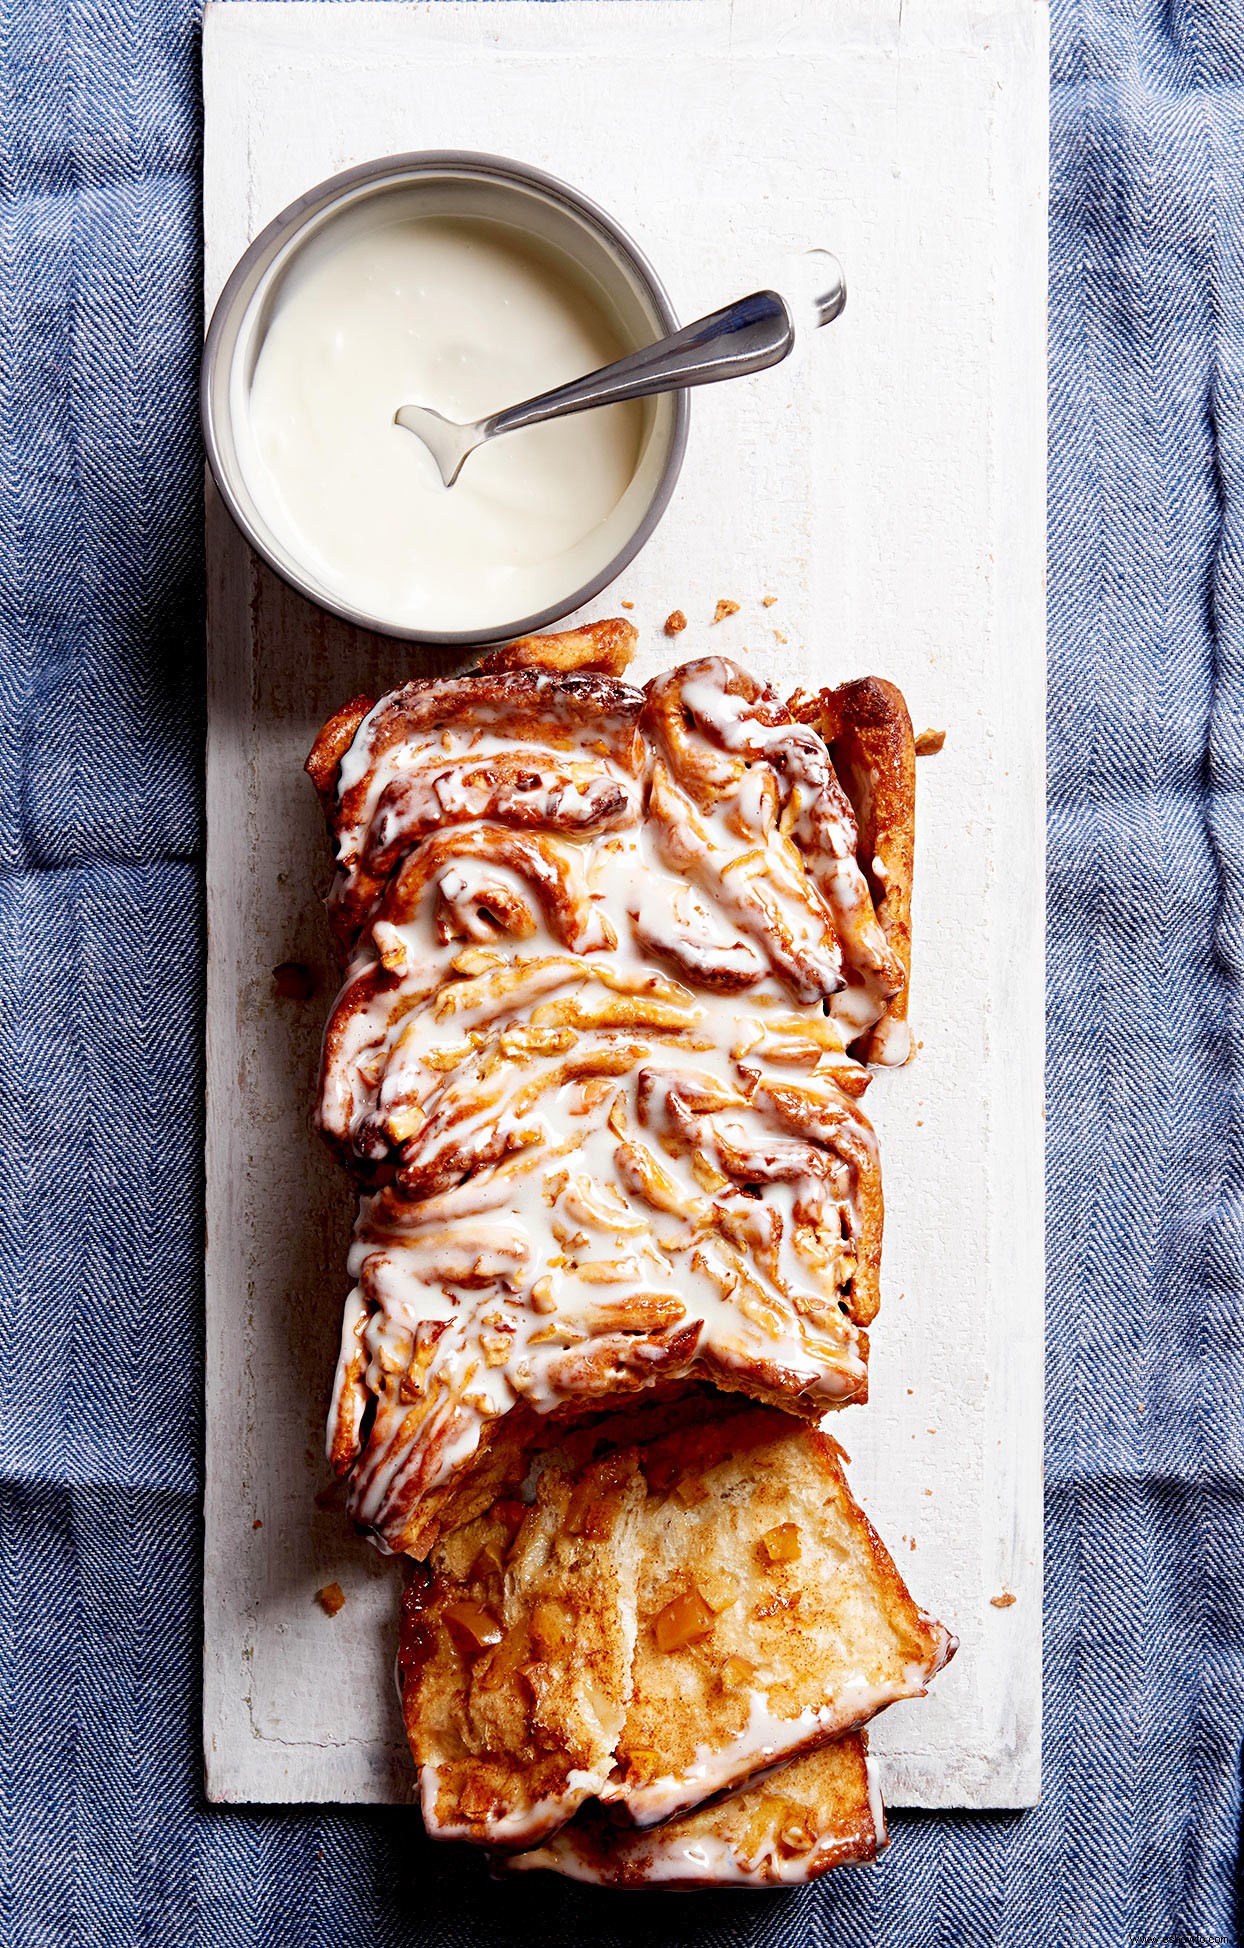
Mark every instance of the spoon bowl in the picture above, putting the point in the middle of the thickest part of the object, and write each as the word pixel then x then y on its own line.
pixel 448 442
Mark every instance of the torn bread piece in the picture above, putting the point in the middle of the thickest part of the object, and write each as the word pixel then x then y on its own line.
pixel 729 1607
pixel 771 1617
pixel 821 1811
pixel 515 1658
pixel 605 646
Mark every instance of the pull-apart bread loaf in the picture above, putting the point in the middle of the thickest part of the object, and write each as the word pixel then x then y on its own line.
pixel 659 1625
pixel 613 959
pixel 614 962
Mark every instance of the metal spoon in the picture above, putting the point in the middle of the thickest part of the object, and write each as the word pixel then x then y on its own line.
pixel 743 337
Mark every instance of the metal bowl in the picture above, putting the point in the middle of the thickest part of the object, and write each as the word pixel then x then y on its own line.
pixel 444 182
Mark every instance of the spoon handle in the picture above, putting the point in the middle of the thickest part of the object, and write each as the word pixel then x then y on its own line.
pixel 742 337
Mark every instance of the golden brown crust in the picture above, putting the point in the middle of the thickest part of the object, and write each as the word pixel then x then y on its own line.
pixel 678 1610
pixel 867 727
pixel 658 1372
pixel 512 790
pixel 331 746
pixel 584 1431
pixel 551 711
pixel 605 646
pixel 572 733
pixel 829 1116
pixel 502 1458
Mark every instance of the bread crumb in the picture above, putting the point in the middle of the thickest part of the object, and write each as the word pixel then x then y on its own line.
pixel 929 743
pixel 628 605
pixel 913 1542
pixel 256 1524
pixel 770 600
pixel 291 981
pixel 928 1491
pixel 778 637
pixel 675 622
pixel 725 608
pixel 1002 1602
pixel 331 1598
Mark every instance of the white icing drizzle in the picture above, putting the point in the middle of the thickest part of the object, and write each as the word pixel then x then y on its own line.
pixel 616 1137
pixel 667 1859
pixel 663 1859
pixel 523 1827
pixel 876 1805
pixel 891 1043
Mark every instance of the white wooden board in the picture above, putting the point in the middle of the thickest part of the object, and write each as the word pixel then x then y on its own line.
pixel 887 485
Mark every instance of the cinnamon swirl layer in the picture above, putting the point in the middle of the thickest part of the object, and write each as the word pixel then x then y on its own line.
pixel 606 954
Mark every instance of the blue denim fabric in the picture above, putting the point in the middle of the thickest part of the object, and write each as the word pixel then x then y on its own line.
pixel 104 1834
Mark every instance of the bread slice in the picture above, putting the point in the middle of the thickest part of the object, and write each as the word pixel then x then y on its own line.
pixel 821 1811
pixel 771 1618
pixel 516 1652
pixel 664 1622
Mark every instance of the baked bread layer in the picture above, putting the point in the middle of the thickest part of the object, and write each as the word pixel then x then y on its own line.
pixel 606 954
